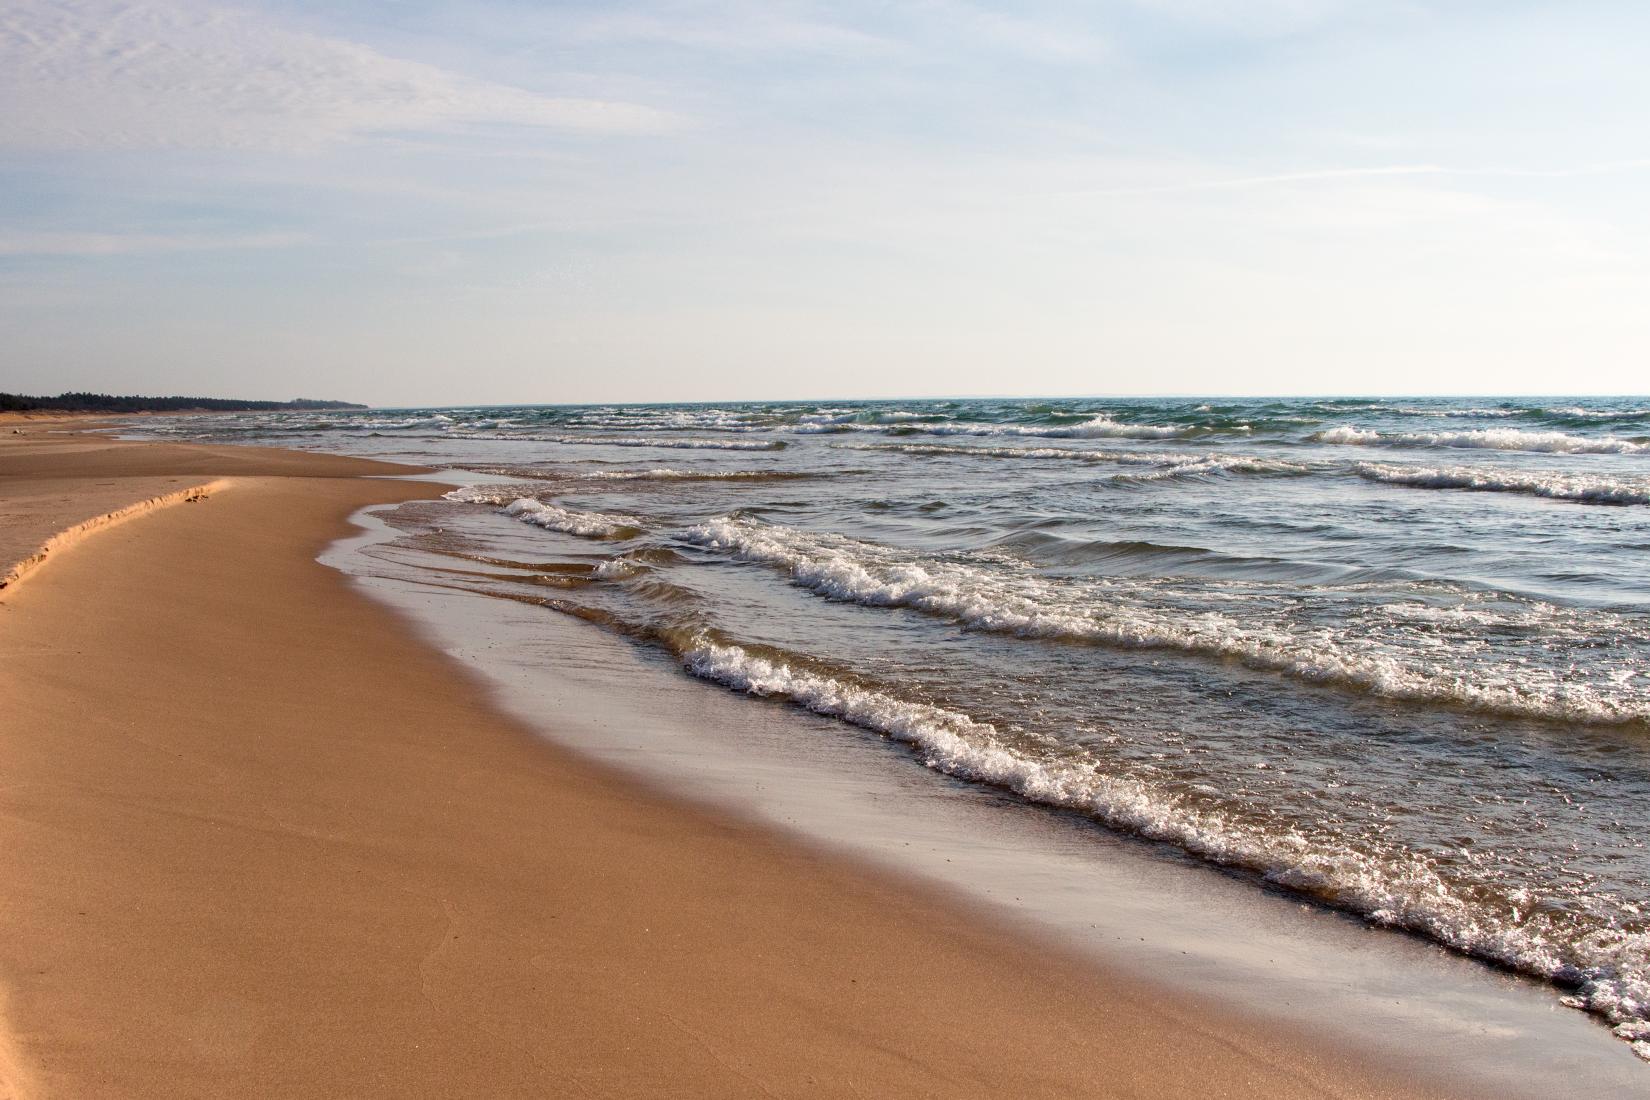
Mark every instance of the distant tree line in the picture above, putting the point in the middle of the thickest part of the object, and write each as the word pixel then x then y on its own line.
pixel 109 403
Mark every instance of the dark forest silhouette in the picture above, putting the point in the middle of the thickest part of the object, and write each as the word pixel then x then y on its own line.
pixel 103 402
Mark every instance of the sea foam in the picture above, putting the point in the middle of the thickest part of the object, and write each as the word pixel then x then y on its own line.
pixel 1383 660
pixel 551 517
pixel 1396 887
pixel 1099 427
pixel 1581 488
pixel 555 518
pixel 634 441
pixel 1171 463
pixel 1493 439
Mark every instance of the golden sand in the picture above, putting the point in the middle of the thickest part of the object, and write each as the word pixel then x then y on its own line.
pixel 259 840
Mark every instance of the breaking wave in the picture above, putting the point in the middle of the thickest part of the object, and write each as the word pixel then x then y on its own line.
pixel 1172 464
pixel 669 474
pixel 552 517
pixel 1392 656
pixel 1494 439
pixel 1099 427
pixel 632 441
pixel 597 525
pixel 675 444
pixel 1582 489
pixel 1610 974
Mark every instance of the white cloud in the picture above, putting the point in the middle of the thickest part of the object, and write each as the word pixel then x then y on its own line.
pixel 98 74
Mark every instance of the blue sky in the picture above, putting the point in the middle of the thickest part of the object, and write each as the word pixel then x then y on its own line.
pixel 495 202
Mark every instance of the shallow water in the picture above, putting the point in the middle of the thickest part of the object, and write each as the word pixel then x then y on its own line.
pixel 1391 655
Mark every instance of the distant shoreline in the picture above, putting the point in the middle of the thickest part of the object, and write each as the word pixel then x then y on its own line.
pixel 122 404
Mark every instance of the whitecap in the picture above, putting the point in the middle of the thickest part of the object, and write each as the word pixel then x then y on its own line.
pixel 1495 439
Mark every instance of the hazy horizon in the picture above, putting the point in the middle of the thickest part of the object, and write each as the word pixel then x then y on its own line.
pixel 816 399
pixel 853 399
pixel 503 203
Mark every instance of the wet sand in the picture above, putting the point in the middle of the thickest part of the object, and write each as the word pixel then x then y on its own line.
pixel 260 839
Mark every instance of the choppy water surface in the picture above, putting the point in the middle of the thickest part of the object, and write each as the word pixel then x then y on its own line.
pixel 1394 655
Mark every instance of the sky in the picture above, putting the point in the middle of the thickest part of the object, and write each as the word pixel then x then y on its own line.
pixel 429 202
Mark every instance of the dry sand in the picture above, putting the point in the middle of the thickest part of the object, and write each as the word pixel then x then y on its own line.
pixel 259 840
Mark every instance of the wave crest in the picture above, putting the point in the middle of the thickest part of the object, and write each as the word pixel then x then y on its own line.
pixel 1128 614
pixel 1494 439
pixel 1582 489
pixel 1611 975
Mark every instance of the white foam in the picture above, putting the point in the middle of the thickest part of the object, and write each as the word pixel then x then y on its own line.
pixel 676 444
pixel 1470 413
pixel 551 517
pixel 1068 454
pixel 1125 613
pixel 1396 887
pixel 833 427
pixel 1580 413
pixel 1217 464
pixel 1099 427
pixel 1173 463
pixel 1494 439
pixel 617 569
pixel 379 424
pixel 1582 488
pixel 493 492
pixel 665 473
pixel 631 441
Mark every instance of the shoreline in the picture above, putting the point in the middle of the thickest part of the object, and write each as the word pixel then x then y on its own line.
pixel 1172 922
pixel 277 825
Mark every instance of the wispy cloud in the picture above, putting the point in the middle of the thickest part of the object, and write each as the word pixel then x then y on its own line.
pixel 1323 175
pixel 736 28
pixel 865 189
pixel 1271 179
pixel 124 244
pixel 1258 18
pixel 98 74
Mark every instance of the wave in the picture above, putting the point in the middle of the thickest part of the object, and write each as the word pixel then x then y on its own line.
pixel 1495 439
pixel 656 419
pixel 676 444
pixel 598 525
pixel 1396 888
pixel 552 517
pixel 1581 488
pixel 618 569
pixel 1098 427
pixel 1388 660
pixel 1067 454
pixel 1560 413
pixel 1174 464
pixel 495 494
pixel 669 474
pixel 1587 489
pixel 1576 412
pixel 1476 413
pixel 537 476
pixel 869 420
pixel 1218 464
pixel 635 441
pixel 438 420
pixel 840 427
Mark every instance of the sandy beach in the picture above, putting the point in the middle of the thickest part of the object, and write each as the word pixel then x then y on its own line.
pixel 260 840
